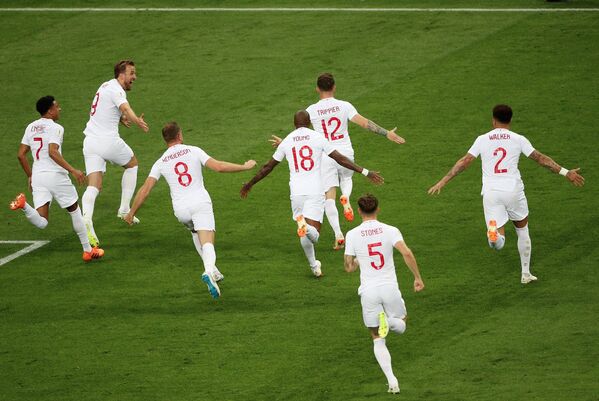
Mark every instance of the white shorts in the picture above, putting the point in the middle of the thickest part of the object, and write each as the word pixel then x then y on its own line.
pixel 97 151
pixel 196 217
pixel 50 185
pixel 310 206
pixel 502 206
pixel 382 298
pixel 332 173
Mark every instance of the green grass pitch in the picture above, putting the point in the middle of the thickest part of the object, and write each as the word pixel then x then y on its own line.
pixel 140 325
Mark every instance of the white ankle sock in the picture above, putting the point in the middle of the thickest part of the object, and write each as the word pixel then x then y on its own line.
pixel 88 200
pixel 209 257
pixel 128 183
pixel 396 325
pixel 79 227
pixel 312 234
pixel 308 250
pixel 383 357
pixel 498 245
pixel 34 217
pixel 346 185
pixel 524 248
pixel 330 210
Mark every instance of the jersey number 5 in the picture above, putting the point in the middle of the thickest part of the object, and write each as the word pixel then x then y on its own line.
pixel 503 155
pixel 306 161
pixel 332 136
pixel 181 170
pixel 372 252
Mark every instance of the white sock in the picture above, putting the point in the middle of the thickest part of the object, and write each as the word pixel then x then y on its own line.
pixel 383 357
pixel 330 209
pixel 196 242
pixel 209 257
pixel 88 200
pixel 499 243
pixel 308 250
pixel 396 325
pixel 312 234
pixel 524 248
pixel 79 227
pixel 34 217
pixel 128 183
pixel 346 185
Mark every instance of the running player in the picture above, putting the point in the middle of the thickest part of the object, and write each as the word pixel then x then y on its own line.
pixel 503 189
pixel 49 177
pixel 370 247
pixel 304 150
pixel 102 142
pixel 181 167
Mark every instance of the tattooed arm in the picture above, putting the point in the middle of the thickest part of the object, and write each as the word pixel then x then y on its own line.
pixel 460 166
pixel 548 162
pixel 372 126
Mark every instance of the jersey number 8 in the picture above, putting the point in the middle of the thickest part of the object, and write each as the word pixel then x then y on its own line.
pixel 181 170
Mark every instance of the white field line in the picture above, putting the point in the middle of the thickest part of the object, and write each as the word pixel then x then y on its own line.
pixel 34 245
pixel 293 9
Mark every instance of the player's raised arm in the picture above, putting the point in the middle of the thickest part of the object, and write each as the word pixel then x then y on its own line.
pixel 132 117
pixel 140 198
pixel 347 163
pixel 548 162
pixel 264 171
pixel 372 126
pixel 57 157
pixel 458 167
pixel 226 167
pixel 410 260
pixel 22 156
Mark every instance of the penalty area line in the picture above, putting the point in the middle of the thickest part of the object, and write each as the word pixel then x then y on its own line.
pixel 32 247
pixel 293 9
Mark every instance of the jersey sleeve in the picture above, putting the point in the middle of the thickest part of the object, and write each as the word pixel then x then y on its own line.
pixel 279 154
pixel 55 136
pixel 25 140
pixel 396 236
pixel 155 171
pixel 349 245
pixel 526 146
pixel 475 148
pixel 203 156
pixel 351 110
pixel 118 97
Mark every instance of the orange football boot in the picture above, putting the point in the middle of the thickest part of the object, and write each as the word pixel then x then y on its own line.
pixel 492 232
pixel 302 226
pixel 96 253
pixel 348 212
pixel 19 202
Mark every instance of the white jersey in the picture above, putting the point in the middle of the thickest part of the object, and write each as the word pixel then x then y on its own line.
pixel 499 151
pixel 38 136
pixel 304 149
pixel 105 115
pixel 181 167
pixel 330 117
pixel 372 243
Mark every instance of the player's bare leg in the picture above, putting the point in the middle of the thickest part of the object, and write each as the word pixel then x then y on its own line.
pixel 89 253
pixel 88 202
pixel 308 241
pixel 38 218
pixel 128 184
pixel 218 276
pixel 346 185
pixel 525 249
pixel 209 257
pixel 495 235
pixel 383 357
pixel 330 210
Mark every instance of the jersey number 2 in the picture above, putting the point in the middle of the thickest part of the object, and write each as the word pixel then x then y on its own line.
pixel 181 170
pixel 372 252
pixel 332 136
pixel 503 155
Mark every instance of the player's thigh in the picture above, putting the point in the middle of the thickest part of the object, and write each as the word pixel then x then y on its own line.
pixel 313 208
pixel 372 306
pixel 328 173
pixel 518 207
pixel 119 152
pixel 495 208
pixel 92 155
pixel 63 191
pixel 393 302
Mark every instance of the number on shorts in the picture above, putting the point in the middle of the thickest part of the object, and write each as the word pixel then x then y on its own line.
pixel 332 135
pixel 95 104
pixel 306 161
pixel 182 172
pixel 41 141
pixel 504 154
pixel 372 252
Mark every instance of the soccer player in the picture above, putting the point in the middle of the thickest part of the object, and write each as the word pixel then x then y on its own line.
pixel 181 167
pixel 370 248
pixel 49 177
pixel 304 150
pixel 102 142
pixel 503 189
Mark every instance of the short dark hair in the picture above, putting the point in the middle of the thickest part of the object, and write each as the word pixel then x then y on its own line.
pixel 502 113
pixel 121 67
pixel 170 131
pixel 325 82
pixel 368 204
pixel 44 104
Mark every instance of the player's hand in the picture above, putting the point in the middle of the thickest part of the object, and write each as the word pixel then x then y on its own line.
pixel 245 190
pixel 29 184
pixel 125 121
pixel 376 178
pixel 436 189
pixel 275 141
pixel 128 218
pixel 418 285
pixel 575 178
pixel 393 137
pixel 79 176
pixel 250 164
pixel 142 124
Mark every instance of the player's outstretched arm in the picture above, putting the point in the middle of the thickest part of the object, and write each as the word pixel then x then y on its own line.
pixel 225 167
pixel 347 163
pixel 140 198
pixel 410 260
pixel 131 116
pixel 372 126
pixel 350 263
pixel 548 162
pixel 264 171
pixel 57 157
pixel 22 156
pixel 458 167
